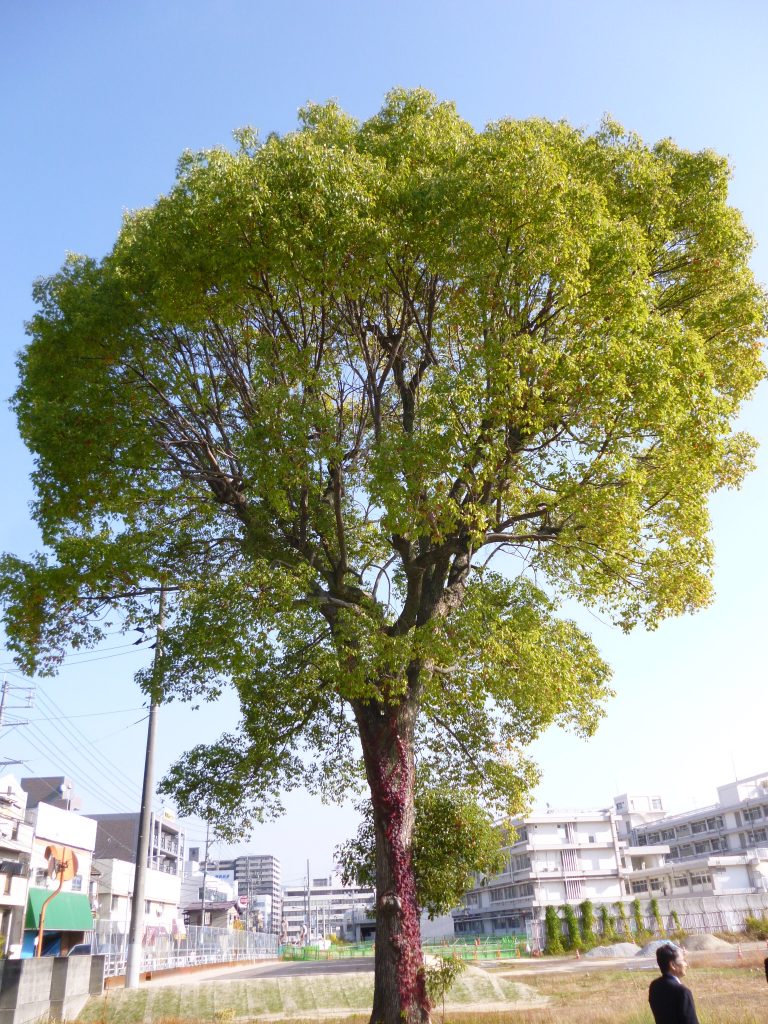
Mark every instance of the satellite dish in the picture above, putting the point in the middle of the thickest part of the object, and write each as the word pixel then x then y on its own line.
pixel 62 862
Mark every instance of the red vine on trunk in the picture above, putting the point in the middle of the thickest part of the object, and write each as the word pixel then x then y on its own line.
pixel 391 792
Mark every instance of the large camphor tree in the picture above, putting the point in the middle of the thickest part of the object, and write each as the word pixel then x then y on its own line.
pixel 314 390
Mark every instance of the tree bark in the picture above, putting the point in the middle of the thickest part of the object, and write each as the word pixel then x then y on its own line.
pixel 387 736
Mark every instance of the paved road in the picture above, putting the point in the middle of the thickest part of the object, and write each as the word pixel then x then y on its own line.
pixel 510 968
pixel 297 968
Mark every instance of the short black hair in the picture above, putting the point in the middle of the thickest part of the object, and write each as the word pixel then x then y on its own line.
pixel 665 955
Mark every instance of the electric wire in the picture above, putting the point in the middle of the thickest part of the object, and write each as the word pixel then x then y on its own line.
pixel 105 769
pixel 87 755
pixel 102 764
pixel 45 751
pixel 91 714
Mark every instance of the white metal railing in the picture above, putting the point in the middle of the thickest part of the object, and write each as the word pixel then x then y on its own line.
pixel 164 951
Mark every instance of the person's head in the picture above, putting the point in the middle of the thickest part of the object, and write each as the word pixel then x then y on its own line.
pixel 671 960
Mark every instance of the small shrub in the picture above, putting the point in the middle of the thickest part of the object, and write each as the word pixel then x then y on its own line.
pixel 607 925
pixel 588 924
pixel 655 913
pixel 642 935
pixel 622 922
pixel 554 932
pixel 439 978
pixel 573 938
pixel 756 927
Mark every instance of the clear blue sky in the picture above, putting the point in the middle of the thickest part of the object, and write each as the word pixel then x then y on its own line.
pixel 97 101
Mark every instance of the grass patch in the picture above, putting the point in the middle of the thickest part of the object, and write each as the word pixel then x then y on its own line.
pixel 725 993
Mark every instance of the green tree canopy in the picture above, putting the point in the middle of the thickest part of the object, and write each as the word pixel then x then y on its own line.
pixel 316 388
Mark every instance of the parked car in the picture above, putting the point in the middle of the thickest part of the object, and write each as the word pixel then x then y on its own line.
pixel 81 949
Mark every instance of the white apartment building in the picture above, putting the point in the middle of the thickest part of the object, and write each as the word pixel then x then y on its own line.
pixel 15 853
pixel 557 857
pixel 711 851
pixel 113 902
pixel 318 910
pixel 709 859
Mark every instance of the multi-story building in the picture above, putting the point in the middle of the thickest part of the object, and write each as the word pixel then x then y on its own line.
pixel 716 850
pixel 54 790
pixel 556 857
pixel 254 875
pixel 318 910
pixel 118 835
pixel 65 838
pixel 15 853
pixel 114 880
pixel 631 849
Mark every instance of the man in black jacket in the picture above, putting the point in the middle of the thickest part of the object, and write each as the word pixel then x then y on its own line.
pixel 671 1002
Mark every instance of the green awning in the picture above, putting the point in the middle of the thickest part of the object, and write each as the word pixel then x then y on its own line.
pixel 67 912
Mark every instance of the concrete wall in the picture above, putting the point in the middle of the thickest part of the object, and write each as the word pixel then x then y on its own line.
pixel 50 986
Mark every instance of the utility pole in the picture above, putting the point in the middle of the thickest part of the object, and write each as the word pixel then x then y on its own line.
pixel 5 693
pixel 309 906
pixel 205 876
pixel 133 960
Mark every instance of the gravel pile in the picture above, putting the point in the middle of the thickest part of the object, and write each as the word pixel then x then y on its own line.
pixel 706 942
pixel 649 949
pixel 618 949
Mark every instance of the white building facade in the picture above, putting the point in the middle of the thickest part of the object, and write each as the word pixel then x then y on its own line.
pixel 708 861
pixel 15 855
pixel 557 857
pixel 68 916
pixel 319 910
pixel 720 850
pixel 114 880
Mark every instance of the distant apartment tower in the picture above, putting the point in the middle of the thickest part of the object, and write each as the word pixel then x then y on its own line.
pixel 117 837
pixel 255 875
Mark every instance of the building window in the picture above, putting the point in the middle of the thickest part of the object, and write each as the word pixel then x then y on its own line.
pixel 656 803
pixel 639 887
pixel 504 892
pixel 41 876
pixel 680 881
pixel 701 878
pixel 77 883
pixel 115 904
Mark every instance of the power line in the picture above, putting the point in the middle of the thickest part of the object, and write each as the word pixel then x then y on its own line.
pixel 92 714
pixel 102 765
pixel 81 654
pixel 66 759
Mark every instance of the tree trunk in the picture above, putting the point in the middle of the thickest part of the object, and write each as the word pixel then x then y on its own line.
pixel 387 736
